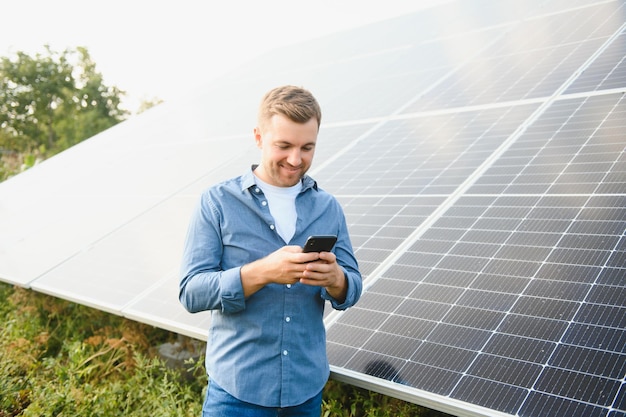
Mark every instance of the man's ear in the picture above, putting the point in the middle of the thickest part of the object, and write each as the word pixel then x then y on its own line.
pixel 258 137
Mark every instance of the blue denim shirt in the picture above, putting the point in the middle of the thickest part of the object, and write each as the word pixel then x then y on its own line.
pixel 268 349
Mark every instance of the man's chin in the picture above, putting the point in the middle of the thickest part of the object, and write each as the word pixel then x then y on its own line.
pixel 291 179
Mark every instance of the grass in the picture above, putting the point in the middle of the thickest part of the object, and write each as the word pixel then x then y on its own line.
pixel 59 358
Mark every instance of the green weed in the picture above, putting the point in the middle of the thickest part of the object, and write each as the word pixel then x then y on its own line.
pixel 59 358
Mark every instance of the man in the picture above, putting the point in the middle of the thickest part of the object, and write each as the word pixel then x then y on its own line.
pixel 243 260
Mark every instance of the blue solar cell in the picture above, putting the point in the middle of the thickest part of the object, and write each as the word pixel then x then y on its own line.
pixel 491 394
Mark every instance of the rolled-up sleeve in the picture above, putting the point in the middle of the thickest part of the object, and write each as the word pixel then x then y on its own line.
pixel 355 285
pixel 346 259
pixel 204 285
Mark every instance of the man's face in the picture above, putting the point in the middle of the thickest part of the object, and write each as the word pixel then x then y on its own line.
pixel 287 150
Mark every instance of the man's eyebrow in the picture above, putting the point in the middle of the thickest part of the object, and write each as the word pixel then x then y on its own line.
pixel 286 142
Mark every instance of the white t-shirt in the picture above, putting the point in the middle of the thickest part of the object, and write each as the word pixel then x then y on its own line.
pixel 282 204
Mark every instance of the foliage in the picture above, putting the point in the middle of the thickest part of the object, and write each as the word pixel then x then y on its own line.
pixel 343 400
pixel 147 104
pixel 62 359
pixel 49 102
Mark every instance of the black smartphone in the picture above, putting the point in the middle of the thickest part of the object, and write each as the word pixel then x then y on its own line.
pixel 320 243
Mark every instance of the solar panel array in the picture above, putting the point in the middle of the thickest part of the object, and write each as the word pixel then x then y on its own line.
pixel 479 151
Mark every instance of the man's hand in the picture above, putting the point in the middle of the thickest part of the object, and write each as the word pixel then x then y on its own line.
pixel 326 272
pixel 283 266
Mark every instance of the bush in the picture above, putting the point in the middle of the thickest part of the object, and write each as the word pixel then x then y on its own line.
pixel 62 359
pixel 58 358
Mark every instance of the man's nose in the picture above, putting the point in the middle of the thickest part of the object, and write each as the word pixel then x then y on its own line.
pixel 295 157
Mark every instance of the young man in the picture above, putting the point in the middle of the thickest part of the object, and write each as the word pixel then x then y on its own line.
pixel 243 260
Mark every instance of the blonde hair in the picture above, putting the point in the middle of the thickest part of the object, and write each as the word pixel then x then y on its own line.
pixel 296 103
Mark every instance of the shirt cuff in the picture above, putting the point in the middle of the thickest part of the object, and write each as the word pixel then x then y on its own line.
pixel 233 300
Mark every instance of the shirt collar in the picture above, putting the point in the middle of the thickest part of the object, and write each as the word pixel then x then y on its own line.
pixel 249 180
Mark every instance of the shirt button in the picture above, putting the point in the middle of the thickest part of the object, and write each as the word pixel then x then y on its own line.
pixel 257 190
pixel 272 226
pixel 287 319
pixel 264 203
pixel 285 353
pixel 288 285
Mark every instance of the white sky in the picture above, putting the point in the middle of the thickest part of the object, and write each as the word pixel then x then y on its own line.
pixel 144 46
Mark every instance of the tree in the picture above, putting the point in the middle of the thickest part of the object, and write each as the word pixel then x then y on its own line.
pixel 147 104
pixel 52 101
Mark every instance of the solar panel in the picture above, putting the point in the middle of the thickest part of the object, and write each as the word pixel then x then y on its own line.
pixel 478 150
